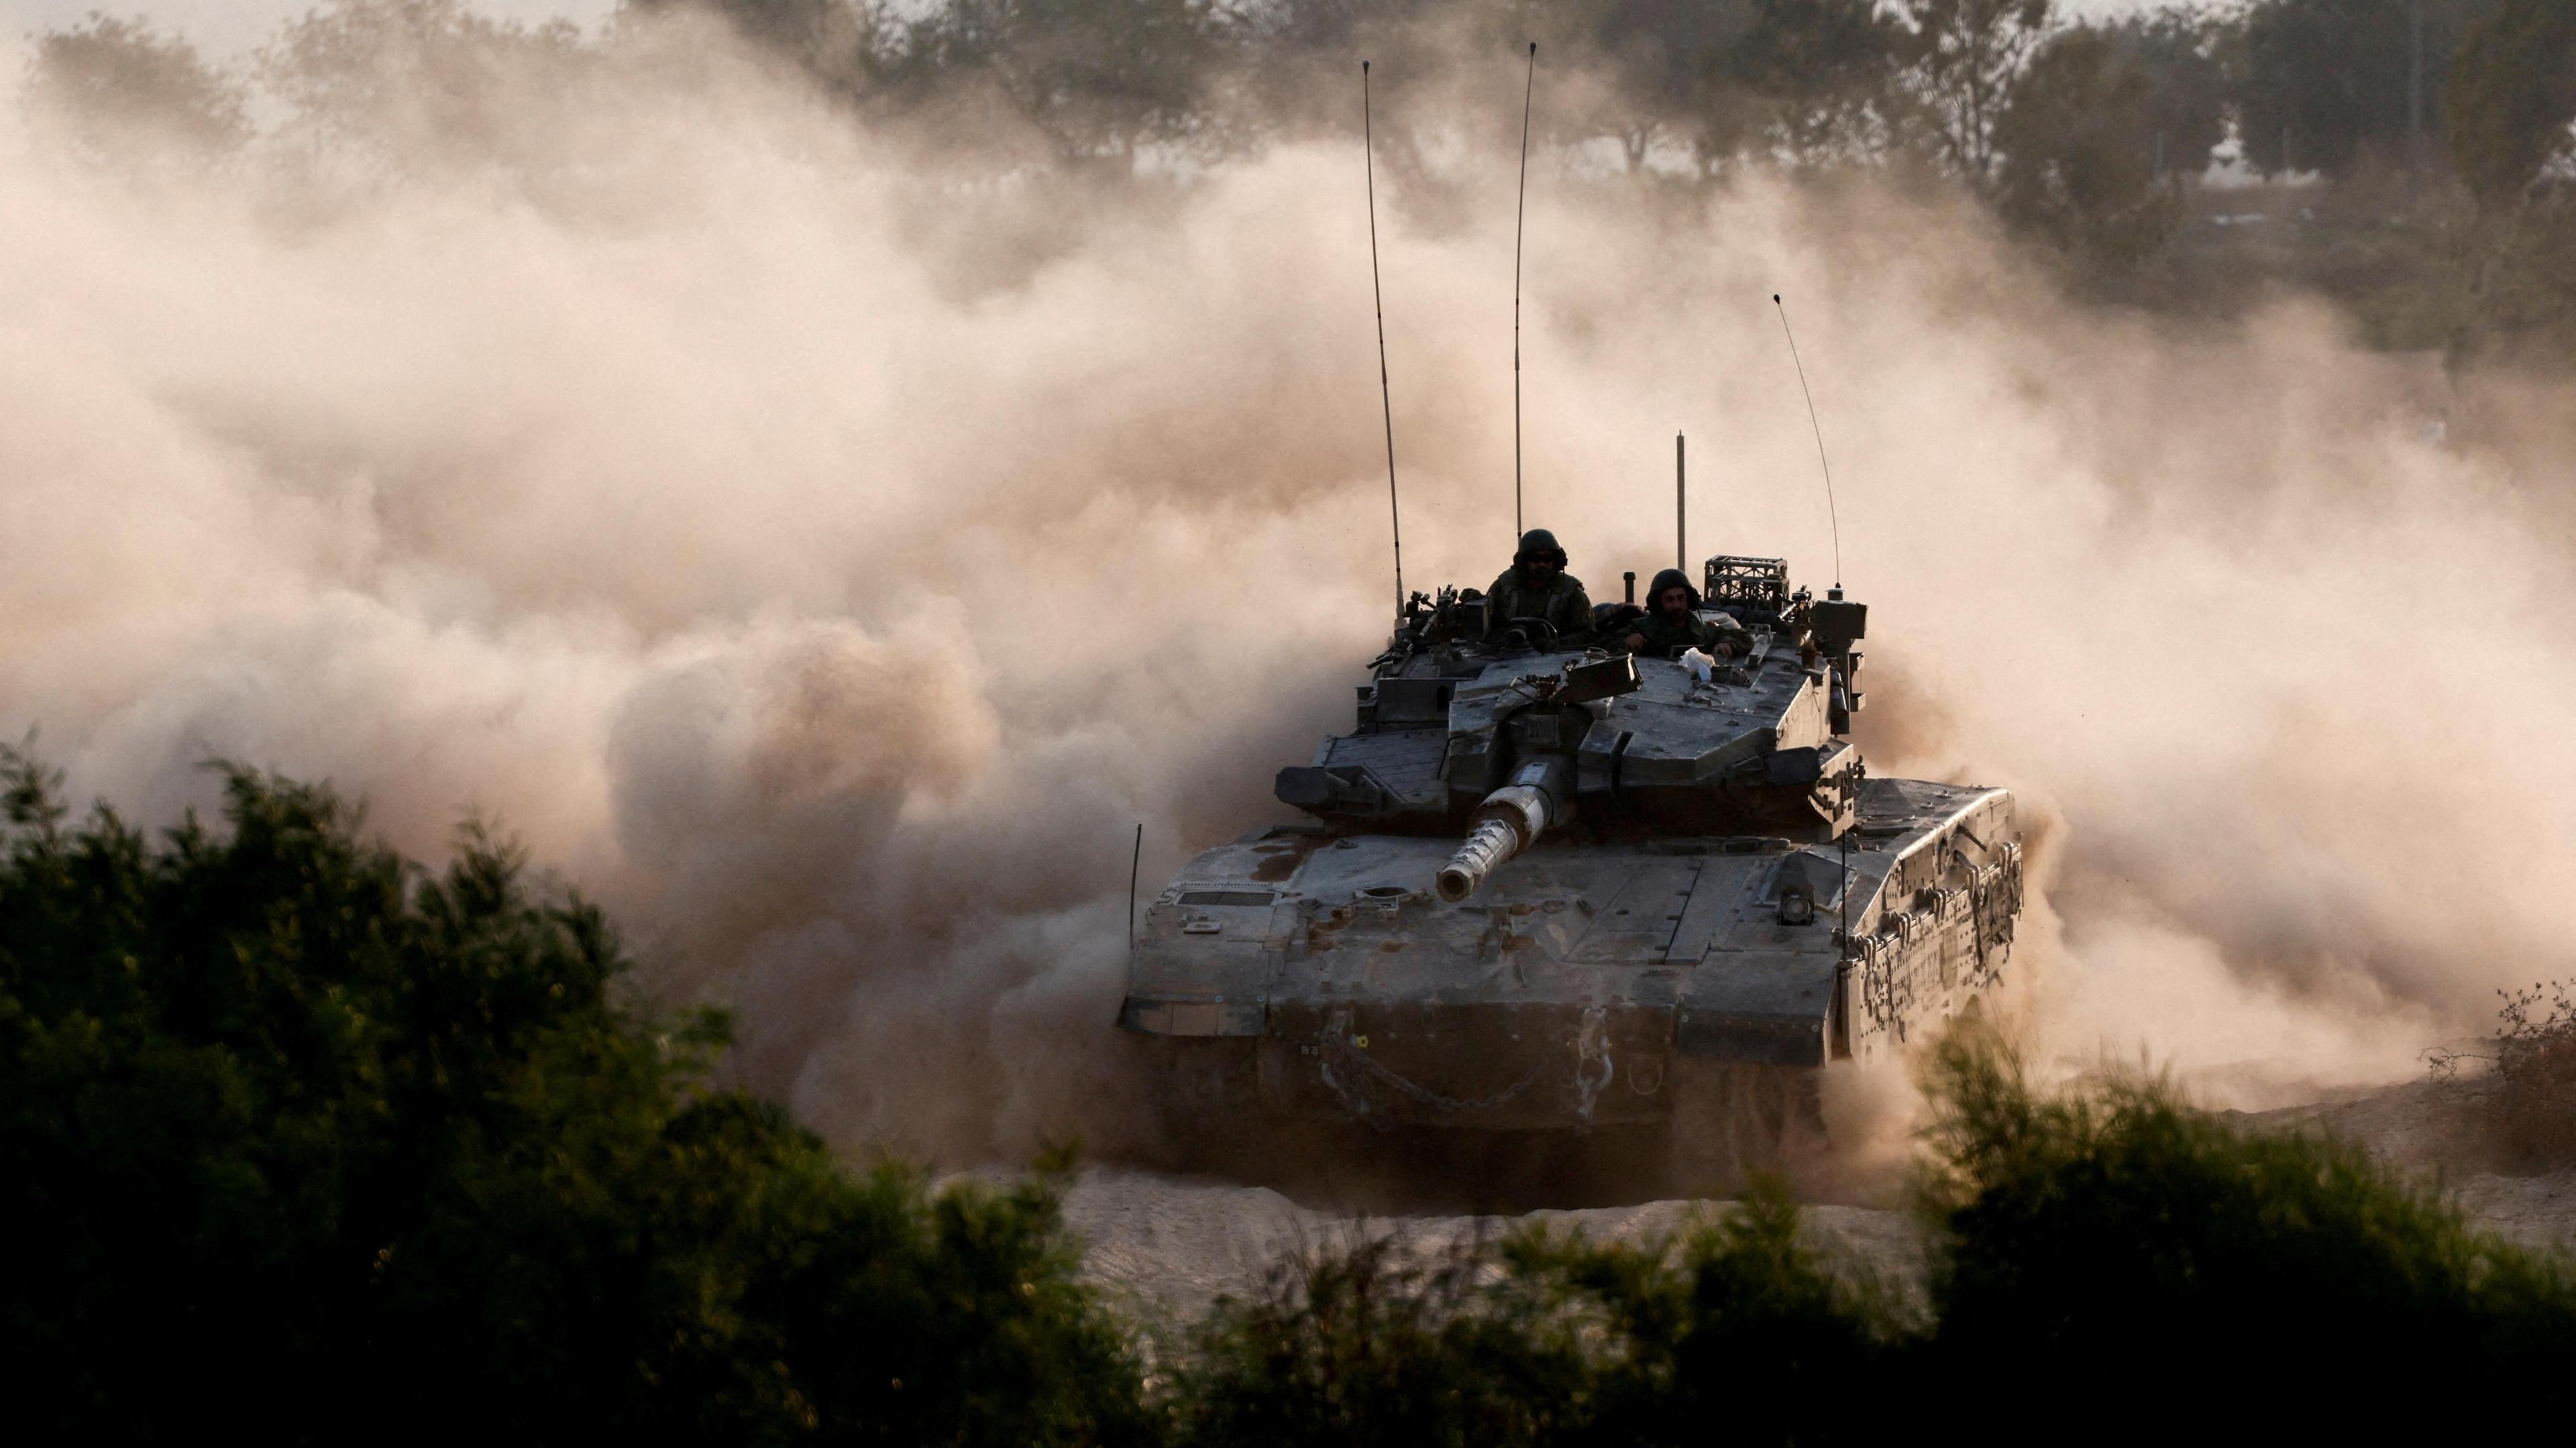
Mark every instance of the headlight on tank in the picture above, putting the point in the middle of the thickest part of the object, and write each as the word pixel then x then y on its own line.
pixel 1797 905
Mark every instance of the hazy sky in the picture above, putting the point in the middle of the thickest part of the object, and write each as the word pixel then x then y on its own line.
pixel 227 25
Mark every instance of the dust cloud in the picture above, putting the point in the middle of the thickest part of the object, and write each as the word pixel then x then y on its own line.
pixel 826 556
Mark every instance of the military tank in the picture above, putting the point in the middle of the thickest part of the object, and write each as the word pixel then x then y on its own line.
pixel 1545 887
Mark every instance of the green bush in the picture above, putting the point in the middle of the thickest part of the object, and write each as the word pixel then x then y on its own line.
pixel 299 1137
pixel 1736 1330
pixel 1376 1343
pixel 2118 1249
pixel 2106 1260
pixel 1733 1330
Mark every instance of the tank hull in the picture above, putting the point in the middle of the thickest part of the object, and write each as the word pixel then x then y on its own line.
pixel 1316 973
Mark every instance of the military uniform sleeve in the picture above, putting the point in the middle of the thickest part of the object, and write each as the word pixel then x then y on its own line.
pixel 1577 609
pixel 1499 599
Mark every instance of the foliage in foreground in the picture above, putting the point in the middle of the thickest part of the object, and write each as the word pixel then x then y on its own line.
pixel 1546 1339
pixel 297 1136
pixel 2105 1255
pixel 2107 1239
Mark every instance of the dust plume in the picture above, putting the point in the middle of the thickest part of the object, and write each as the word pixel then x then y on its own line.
pixel 825 554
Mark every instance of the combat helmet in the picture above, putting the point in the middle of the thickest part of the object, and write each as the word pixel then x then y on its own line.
pixel 1670 578
pixel 1539 543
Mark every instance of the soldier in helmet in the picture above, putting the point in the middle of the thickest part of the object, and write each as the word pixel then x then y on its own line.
pixel 1670 624
pixel 1537 586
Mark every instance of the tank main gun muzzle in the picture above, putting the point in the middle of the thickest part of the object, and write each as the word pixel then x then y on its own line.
pixel 1505 824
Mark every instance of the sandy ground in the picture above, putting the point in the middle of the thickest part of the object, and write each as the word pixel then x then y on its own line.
pixel 1174 1245
pixel 2436 1130
pixel 1170 1246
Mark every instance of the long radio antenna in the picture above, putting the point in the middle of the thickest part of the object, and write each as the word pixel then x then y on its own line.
pixel 1520 224
pixel 1831 515
pixel 1377 293
pixel 1681 512
pixel 1135 863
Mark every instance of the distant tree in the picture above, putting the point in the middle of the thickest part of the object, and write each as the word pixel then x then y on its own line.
pixel 841 44
pixel 1964 56
pixel 120 90
pixel 410 82
pixel 1101 79
pixel 1817 80
pixel 2079 142
pixel 1340 26
pixel 2325 80
pixel 2177 50
pixel 2512 107
pixel 2513 98
pixel 1657 56
pixel 1300 24
pixel 1279 60
pixel 299 1138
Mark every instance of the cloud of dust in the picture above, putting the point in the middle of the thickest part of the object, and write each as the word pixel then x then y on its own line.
pixel 825 559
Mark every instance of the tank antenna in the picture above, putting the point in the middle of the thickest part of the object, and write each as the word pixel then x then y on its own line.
pixel 1135 864
pixel 1520 224
pixel 1830 514
pixel 1681 538
pixel 1377 293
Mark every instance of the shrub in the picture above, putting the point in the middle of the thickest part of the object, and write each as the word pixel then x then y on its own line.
pixel 1737 1330
pixel 2123 1252
pixel 1733 1329
pixel 1374 1342
pixel 2535 1095
pixel 297 1135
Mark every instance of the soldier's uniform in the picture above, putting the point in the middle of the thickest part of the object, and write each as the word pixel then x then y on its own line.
pixel 1561 600
pixel 1664 634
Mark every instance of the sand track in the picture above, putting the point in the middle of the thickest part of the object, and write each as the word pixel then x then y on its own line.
pixel 1171 1246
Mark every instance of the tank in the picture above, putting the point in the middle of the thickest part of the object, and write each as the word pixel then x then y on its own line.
pixel 1546 887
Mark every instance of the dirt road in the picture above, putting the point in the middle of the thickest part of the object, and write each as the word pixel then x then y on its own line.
pixel 1172 1245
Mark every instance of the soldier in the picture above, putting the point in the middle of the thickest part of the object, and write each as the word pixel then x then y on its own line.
pixel 1670 624
pixel 1537 586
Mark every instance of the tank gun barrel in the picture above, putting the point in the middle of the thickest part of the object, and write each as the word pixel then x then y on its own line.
pixel 1505 824
pixel 1489 844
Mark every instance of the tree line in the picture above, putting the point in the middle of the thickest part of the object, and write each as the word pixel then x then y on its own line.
pixel 2085 138
pixel 2310 85
pixel 2006 95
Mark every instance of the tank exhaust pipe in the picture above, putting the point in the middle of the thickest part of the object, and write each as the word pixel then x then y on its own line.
pixel 1505 824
